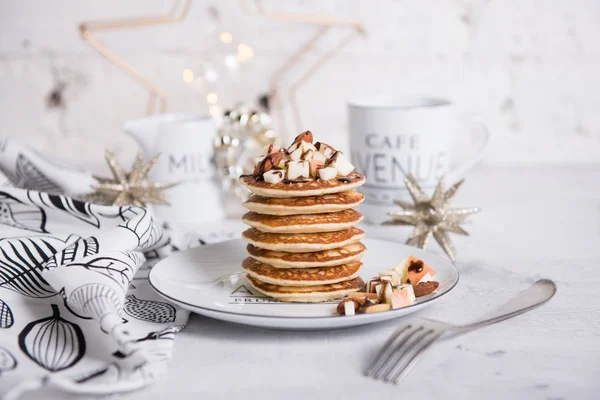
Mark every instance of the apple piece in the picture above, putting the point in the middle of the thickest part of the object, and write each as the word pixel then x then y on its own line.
pixel 340 162
pixel 283 164
pixel 319 157
pixel 314 167
pixel 274 176
pixel 298 169
pixel 416 270
pixel 374 308
pixel 402 269
pixel 327 173
pixel 386 293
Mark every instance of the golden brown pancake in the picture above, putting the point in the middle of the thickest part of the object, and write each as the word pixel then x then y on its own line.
pixel 327 258
pixel 304 205
pixel 329 222
pixel 302 242
pixel 299 189
pixel 301 276
pixel 308 294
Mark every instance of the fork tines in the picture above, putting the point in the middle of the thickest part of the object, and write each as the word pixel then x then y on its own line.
pixel 399 354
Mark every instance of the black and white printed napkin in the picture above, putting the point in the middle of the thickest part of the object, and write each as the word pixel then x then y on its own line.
pixel 76 308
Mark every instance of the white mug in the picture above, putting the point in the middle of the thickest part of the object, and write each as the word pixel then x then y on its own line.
pixel 391 137
pixel 185 142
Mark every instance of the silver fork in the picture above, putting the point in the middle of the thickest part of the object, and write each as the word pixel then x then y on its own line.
pixel 402 350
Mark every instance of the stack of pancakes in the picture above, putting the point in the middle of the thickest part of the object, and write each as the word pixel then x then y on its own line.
pixel 302 242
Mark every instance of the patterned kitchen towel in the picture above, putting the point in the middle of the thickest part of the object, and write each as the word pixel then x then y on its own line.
pixel 76 308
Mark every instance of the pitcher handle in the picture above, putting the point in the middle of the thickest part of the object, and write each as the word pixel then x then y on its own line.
pixel 484 131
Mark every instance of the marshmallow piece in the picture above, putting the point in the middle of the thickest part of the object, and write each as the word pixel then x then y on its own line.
pixel 402 269
pixel 307 146
pixel 349 308
pixel 324 149
pixel 293 147
pixel 298 169
pixel 319 157
pixel 327 173
pixel 403 296
pixel 314 167
pixel 296 154
pixel 307 155
pixel 342 164
pixel 426 278
pixel 273 176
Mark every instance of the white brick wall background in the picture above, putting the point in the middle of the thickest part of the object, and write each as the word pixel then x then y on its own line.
pixel 531 68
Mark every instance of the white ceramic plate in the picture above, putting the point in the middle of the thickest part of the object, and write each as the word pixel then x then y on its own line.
pixel 194 280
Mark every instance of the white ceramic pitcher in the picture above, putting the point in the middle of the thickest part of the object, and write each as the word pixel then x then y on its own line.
pixel 185 142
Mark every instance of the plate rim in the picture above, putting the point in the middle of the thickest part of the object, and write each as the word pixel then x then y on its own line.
pixel 278 317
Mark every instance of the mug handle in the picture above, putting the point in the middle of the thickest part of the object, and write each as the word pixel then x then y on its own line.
pixel 484 132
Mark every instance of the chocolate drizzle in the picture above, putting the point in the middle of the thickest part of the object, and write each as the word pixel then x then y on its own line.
pixel 416 266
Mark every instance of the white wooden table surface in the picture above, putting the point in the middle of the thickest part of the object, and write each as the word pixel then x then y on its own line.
pixel 537 222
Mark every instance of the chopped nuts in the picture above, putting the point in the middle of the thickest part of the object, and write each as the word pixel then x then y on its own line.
pixel 355 302
pixel 388 291
pixel 424 288
pixel 269 162
pixel 304 137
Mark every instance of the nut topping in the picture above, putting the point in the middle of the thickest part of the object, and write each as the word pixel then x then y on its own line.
pixel 424 288
pixel 304 137
pixel 268 163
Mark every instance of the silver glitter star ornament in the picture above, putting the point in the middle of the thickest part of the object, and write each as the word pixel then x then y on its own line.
pixel 431 216
pixel 129 188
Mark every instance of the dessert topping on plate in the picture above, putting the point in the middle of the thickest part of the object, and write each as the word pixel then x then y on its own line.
pixel 302 161
pixel 392 289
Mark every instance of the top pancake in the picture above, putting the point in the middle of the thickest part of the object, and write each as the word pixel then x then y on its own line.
pixel 300 189
pixel 304 205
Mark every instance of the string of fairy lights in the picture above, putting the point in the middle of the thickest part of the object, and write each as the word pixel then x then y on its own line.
pixel 207 76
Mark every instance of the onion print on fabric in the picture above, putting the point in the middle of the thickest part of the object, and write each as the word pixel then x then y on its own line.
pixel 7 361
pixel 21 261
pixel 6 316
pixel 149 310
pixel 53 342
pixel 18 214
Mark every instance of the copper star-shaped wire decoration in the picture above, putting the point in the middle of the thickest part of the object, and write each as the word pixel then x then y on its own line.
pixel 129 188
pixel 431 216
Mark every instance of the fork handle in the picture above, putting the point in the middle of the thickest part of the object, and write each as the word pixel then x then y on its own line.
pixel 534 296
